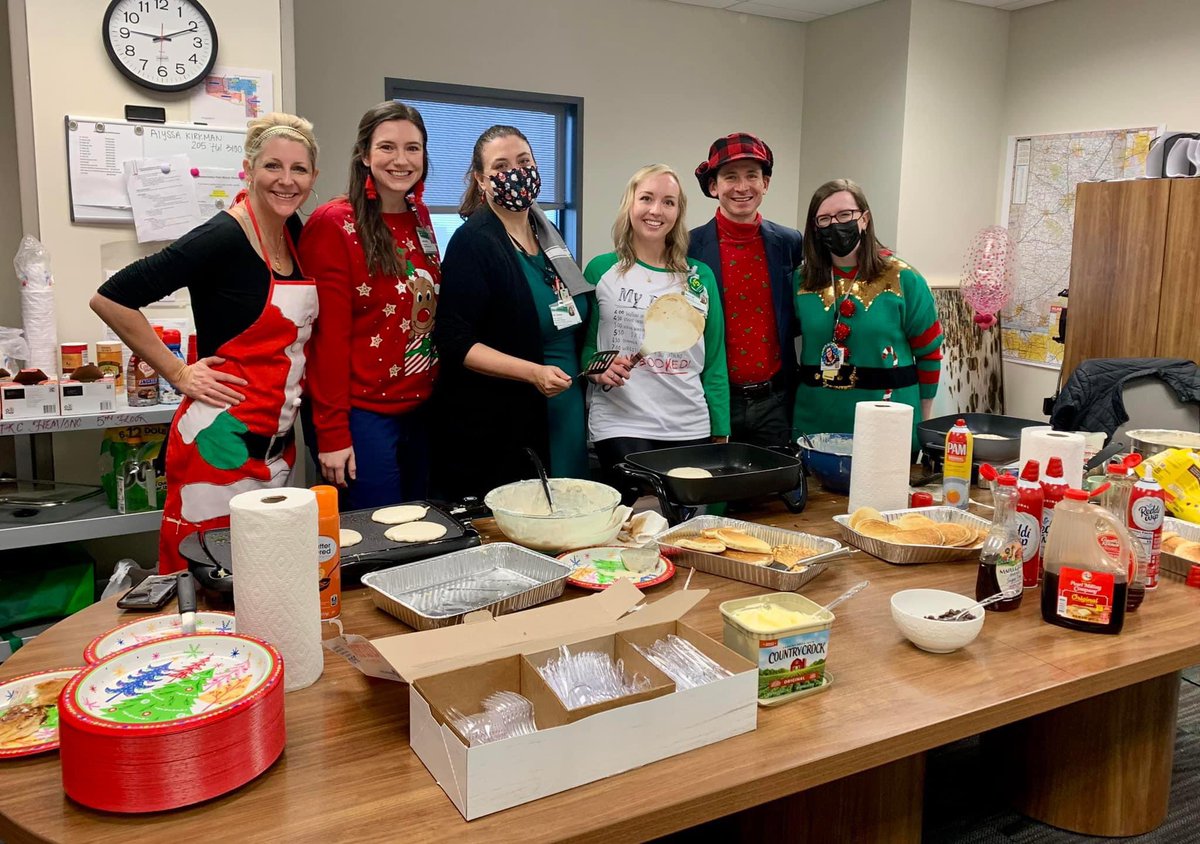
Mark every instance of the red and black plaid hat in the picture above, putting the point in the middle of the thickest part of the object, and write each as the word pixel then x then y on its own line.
pixel 733 147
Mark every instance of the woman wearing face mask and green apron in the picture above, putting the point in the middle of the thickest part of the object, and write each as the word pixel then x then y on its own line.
pixel 868 322
pixel 509 331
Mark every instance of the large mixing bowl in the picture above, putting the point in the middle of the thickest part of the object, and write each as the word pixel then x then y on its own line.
pixel 1151 441
pixel 585 513
pixel 829 459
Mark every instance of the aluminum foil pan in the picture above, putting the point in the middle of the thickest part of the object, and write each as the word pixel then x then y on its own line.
pixel 779 581
pixel 903 555
pixel 1173 563
pixel 499 577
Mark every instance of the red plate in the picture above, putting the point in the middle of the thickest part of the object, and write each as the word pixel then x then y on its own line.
pixel 587 575
pixel 42 715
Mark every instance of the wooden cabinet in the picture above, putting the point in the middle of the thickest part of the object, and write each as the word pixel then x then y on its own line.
pixel 1135 271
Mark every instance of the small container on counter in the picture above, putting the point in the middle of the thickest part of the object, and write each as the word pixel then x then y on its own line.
pixel 108 358
pixel 787 636
pixel 72 356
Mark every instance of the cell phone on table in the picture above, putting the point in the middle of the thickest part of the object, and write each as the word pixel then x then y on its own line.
pixel 151 594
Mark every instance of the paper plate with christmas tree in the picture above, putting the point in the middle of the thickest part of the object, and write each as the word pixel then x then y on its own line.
pixel 29 712
pixel 151 630
pixel 173 684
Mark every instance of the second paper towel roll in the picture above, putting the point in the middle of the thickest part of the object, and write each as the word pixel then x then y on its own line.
pixel 1041 444
pixel 273 538
pixel 882 455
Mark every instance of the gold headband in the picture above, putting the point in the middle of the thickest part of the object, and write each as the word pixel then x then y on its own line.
pixel 280 129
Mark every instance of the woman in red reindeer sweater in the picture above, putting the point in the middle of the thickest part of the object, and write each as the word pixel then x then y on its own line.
pixel 371 359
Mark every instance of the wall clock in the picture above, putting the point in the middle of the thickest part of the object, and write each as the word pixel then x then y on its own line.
pixel 163 45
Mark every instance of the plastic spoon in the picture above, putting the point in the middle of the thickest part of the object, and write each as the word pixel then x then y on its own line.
pixel 848 594
pixel 671 325
pixel 991 599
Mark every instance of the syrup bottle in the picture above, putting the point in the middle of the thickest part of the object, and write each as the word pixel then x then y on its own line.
pixel 1116 501
pixel 1086 587
pixel 1030 507
pixel 1000 561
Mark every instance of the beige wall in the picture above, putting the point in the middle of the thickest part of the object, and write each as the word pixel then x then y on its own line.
pixel 953 112
pixel 1076 65
pixel 650 73
pixel 10 206
pixel 854 91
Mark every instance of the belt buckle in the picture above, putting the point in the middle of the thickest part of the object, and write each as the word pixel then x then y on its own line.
pixel 851 381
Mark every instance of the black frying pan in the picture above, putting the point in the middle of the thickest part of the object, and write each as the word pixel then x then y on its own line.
pixel 739 470
pixel 932 434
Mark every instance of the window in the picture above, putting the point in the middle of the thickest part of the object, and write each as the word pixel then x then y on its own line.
pixel 455 115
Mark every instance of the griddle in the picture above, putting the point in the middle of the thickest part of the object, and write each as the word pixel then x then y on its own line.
pixel 932 434
pixel 740 471
pixel 209 552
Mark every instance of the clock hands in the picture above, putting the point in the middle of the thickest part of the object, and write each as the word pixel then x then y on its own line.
pixel 171 35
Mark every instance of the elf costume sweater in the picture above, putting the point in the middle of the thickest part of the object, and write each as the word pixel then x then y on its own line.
pixel 372 343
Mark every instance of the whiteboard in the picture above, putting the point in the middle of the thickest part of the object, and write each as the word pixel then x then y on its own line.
pixel 97 149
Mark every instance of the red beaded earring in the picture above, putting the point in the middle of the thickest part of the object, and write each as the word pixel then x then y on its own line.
pixel 369 188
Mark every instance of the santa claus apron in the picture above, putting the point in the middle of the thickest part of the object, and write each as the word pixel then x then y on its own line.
pixel 214 453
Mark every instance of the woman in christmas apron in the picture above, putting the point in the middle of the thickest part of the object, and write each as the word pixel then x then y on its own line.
pixel 254 311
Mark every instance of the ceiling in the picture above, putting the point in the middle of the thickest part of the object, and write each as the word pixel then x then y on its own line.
pixel 811 10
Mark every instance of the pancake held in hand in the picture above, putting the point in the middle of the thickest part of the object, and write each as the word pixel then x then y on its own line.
pixel 741 541
pixel 416 532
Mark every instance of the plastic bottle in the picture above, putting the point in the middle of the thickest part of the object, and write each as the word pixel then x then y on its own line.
pixel 167 394
pixel 1030 507
pixel 329 552
pixel 1054 487
pixel 1116 501
pixel 956 465
pixel 141 383
pixel 1000 559
pixel 1086 586
pixel 1147 512
pixel 193 354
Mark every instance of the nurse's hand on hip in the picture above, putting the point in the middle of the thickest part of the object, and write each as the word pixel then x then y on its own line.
pixel 211 386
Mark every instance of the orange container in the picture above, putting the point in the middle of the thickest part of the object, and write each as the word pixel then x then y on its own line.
pixel 329 551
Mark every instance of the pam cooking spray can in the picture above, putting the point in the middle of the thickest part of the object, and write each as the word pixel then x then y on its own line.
pixel 956 466
pixel 329 551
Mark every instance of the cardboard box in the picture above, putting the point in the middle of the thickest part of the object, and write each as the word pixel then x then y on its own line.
pixel 18 401
pixel 459 666
pixel 77 397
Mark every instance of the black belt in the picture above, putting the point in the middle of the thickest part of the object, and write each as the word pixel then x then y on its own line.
pixel 862 377
pixel 266 448
pixel 762 388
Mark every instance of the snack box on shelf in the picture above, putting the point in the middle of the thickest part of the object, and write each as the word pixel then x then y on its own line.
pixel 78 397
pixel 29 401
pixel 456 667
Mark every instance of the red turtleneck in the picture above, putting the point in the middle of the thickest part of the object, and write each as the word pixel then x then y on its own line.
pixel 751 338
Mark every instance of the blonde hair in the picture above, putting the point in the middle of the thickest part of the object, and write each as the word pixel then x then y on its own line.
pixel 677 237
pixel 279 125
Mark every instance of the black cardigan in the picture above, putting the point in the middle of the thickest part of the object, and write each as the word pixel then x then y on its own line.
pixel 481 424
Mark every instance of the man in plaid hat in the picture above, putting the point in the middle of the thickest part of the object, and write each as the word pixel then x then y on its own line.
pixel 753 260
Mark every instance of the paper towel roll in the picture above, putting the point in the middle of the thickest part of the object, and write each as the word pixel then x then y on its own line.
pixel 1041 444
pixel 882 455
pixel 273 538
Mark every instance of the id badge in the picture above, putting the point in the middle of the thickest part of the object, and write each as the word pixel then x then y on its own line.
pixel 428 246
pixel 563 312
pixel 696 295
pixel 832 358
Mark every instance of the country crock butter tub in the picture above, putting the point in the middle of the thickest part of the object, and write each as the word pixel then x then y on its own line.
pixel 788 636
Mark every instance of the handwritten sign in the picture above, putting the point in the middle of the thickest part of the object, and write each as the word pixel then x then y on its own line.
pixel 57 424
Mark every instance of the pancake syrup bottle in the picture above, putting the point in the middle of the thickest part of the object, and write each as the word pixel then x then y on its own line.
pixel 956 465
pixel 1000 558
pixel 1086 586
pixel 1030 507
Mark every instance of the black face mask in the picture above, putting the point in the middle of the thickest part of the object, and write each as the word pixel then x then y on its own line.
pixel 841 239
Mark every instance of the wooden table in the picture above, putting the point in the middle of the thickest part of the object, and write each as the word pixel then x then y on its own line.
pixel 1078 717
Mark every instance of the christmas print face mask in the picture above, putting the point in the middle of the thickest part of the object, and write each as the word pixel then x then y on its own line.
pixel 516 189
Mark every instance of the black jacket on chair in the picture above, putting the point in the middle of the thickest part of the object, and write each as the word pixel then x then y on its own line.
pixel 481 424
pixel 784 248
pixel 1093 400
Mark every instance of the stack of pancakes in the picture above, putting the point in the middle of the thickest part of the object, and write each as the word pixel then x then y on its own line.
pixel 915 529
pixel 738 545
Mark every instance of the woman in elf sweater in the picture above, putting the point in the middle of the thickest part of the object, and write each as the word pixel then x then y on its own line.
pixel 869 324
pixel 372 362
pixel 669 399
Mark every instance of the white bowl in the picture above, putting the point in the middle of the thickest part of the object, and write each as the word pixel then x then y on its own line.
pixel 910 606
pixel 590 514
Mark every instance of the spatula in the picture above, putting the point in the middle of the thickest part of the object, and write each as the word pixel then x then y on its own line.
pixel 598 363
pixel 671 325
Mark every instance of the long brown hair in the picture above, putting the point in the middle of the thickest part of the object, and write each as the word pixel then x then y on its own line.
pixel 373 233
pixel 677 237
pixel 818 263
pixel 472 200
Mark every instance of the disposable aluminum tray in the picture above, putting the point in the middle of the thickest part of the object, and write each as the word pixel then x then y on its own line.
pixel 499 577
pixel 771 578
pixel 904 555
pixel 1173 563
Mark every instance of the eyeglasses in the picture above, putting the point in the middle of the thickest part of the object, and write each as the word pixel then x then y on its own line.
pixel 826 220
